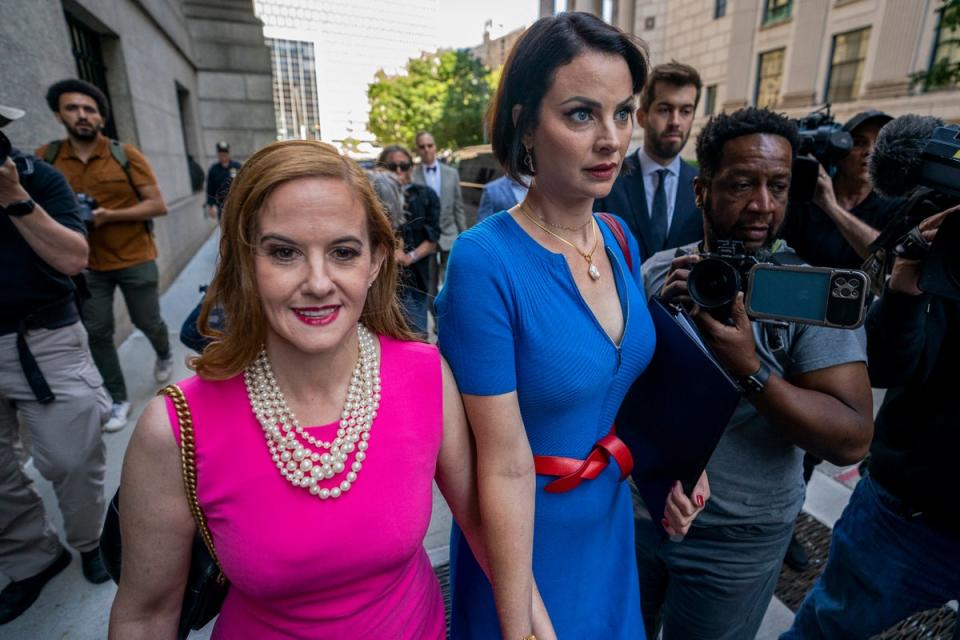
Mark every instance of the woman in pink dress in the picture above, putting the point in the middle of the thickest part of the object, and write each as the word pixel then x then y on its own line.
pixel 320 425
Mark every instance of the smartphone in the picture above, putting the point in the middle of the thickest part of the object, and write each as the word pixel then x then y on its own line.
pixel 810 295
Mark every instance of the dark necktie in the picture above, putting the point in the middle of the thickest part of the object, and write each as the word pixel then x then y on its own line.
pixel 658 217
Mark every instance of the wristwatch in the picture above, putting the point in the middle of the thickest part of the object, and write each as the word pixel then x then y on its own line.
pixel 19 208
pixel 757 381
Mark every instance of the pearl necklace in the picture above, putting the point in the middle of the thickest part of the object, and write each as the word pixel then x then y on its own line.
pixel 300 464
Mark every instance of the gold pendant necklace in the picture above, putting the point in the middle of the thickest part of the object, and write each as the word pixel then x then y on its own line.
pixel 592 269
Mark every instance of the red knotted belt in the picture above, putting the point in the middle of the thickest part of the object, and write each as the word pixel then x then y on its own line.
pixel 572 472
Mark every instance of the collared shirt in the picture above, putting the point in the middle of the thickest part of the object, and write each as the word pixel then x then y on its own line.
pixel 520 190
pixel 431 175
pixel 114 245
pixel 649 167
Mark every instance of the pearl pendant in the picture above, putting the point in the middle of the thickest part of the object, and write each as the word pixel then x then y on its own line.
pixel 593 272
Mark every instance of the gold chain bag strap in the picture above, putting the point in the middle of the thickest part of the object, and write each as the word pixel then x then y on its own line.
pixel 206 584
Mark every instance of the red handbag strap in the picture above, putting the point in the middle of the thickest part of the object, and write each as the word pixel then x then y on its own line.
pixel 620 236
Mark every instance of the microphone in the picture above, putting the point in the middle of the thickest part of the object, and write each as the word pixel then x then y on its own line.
pixel 896 157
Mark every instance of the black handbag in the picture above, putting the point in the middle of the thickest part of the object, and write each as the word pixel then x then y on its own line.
pixel 207 585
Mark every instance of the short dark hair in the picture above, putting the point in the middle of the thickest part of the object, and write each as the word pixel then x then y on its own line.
pixel 673 73
pixel 393 148
pixel 73 85
pixel 743 122
pixel 422 132
pixel 551 42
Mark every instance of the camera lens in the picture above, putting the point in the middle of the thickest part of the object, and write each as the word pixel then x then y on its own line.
pixel 713 283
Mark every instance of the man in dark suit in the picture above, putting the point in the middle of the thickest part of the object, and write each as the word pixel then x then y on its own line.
pixel 654 193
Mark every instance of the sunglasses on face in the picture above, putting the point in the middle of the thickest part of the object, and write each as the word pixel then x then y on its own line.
pixel 402 166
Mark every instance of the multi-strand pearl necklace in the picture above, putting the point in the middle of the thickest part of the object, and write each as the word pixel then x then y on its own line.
pixel 300 464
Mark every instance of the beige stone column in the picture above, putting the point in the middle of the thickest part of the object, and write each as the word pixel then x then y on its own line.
pixel 741 59
pixel 803 56
pixel 894 40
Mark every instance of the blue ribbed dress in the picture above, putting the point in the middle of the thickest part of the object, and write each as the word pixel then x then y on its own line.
pixel 511 318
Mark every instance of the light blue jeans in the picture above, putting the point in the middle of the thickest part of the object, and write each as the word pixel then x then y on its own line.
pixel 882 568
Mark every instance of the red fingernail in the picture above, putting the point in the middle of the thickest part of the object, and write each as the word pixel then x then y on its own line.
pixel 700 500
pixel 664 523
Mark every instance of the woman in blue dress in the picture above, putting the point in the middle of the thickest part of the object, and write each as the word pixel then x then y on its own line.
pixel 546 328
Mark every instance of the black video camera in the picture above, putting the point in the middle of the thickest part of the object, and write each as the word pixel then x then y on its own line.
pixel 87 206
pixel 776 291
pixel 5 148
pixel 938 188
pixel 824 138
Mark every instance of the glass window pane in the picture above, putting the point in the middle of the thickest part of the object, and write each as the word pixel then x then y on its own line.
pixel 846 65
pixel 769 77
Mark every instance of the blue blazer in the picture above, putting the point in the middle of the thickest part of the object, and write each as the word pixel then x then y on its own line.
pixel 628 200
pixel 497 195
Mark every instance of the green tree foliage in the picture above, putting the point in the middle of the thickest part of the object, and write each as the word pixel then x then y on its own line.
pixel 945 70
pixel 445 93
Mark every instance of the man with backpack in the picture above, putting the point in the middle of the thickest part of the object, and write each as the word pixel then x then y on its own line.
pixel 119 197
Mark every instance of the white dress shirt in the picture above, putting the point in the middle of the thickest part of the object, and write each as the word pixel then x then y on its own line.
pixel 431 175
pixel 649 167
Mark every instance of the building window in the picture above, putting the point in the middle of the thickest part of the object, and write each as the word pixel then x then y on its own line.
pixel 719 9
pixel 776 10
pixel 88 54
pixel 846 65
pixel 769 77
pixel 945 61
pixel 559 6
pixel 649 23
pixel 295 89
pixel 710 100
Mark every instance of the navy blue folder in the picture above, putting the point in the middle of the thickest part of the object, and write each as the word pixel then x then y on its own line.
pixel 675 413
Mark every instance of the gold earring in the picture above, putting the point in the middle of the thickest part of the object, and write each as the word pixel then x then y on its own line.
pixel 528 162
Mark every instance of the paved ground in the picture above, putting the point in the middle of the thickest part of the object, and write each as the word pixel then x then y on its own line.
pixel 70 608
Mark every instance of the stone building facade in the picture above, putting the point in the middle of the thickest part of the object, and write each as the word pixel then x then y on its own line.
pixel 180 76
pixel 793 55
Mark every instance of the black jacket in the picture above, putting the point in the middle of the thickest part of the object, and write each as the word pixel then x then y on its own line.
pixel 913 346
pixel 422 223
pixel 628 200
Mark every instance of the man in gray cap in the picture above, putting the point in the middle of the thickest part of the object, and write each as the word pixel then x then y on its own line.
pixel 49 385
pixel 846 214
pixel 221 174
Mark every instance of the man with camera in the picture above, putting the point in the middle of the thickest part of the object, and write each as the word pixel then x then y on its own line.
pixel 118 189
pixel 49 385
pixel 807 391
pixel 896 549
pixel 846 214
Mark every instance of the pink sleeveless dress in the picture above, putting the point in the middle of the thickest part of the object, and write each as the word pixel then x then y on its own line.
pixel 301 567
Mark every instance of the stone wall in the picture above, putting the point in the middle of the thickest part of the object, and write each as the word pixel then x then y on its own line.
pixel 181 76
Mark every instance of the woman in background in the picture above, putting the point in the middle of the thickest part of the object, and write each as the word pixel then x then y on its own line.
pixel 418 229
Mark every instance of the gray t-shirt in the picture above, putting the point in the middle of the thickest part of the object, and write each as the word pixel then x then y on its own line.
pixel 756 473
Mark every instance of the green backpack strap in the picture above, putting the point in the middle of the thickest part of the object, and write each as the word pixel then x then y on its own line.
pixel 50 154
pixel 120 155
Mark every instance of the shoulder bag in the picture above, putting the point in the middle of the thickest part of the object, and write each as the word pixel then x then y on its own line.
pixel 206 583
